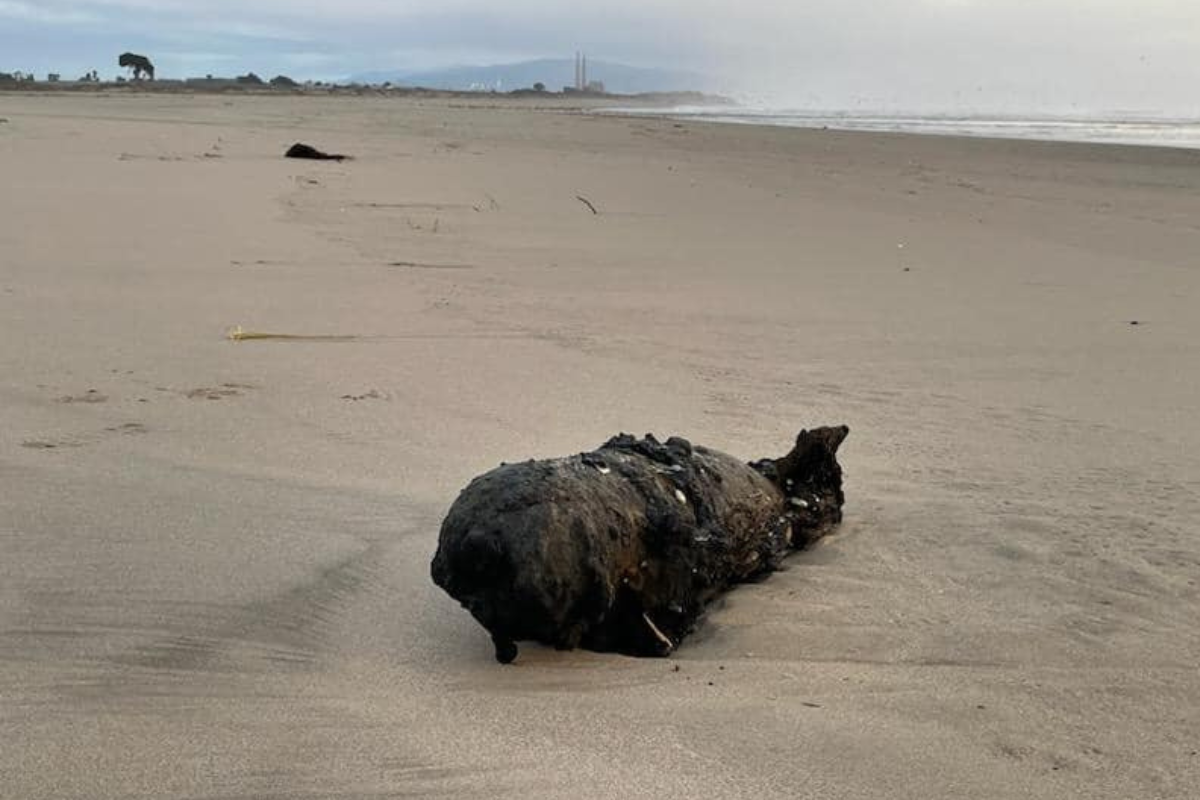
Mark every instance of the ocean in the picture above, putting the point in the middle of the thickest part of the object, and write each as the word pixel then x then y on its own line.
pixel 1147 131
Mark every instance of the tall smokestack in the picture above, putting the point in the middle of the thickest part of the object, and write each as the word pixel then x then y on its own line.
pixel 585 80
pixel 578 70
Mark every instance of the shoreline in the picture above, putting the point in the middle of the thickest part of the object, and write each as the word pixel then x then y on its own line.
pixel 1130 132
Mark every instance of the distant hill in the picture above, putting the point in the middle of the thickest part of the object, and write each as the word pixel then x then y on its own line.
pixel 555 73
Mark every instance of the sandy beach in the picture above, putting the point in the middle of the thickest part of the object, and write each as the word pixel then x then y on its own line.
pixel 214 555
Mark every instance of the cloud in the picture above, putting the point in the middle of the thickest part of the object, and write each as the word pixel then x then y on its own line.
pixel 20 10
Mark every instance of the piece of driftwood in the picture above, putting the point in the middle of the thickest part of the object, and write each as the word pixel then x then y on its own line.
pixel 307 151
pixel 621 549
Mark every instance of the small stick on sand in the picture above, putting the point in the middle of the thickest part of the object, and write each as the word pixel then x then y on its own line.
pixel 587 203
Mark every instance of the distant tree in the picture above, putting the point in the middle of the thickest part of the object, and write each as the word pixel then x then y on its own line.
pixel 140 65
pixel 283 82
pixel 249 79
pixel 53 77
pixel 539 87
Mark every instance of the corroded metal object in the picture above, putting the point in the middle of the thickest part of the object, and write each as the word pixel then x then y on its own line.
pixel 621 549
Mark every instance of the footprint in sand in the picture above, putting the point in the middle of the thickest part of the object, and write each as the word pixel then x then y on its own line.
pixel 50 444
pixel 426 265
pixel 70 441
pixel 129 429
pixel 374 394
pixel 90 396
pixel 217 392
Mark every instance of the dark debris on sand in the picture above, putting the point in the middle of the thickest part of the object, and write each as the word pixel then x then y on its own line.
pixel 299 150
pixel 621 549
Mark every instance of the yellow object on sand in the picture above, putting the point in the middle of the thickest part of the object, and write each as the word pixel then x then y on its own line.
pixel 239 335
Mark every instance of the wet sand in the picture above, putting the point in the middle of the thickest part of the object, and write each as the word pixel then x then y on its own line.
pixel 214 580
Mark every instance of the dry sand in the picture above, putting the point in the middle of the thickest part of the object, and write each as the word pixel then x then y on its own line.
pixel 214 555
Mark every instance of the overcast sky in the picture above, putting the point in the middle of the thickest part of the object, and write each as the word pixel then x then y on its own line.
pixel 1013 55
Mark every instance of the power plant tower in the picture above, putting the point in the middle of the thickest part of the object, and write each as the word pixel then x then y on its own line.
pixel 581 78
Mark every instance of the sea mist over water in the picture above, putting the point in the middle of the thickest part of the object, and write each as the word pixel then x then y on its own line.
pixel 1087 70
pixel 1075 58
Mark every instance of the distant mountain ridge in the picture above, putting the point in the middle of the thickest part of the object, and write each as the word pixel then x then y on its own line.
pixel 554 73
